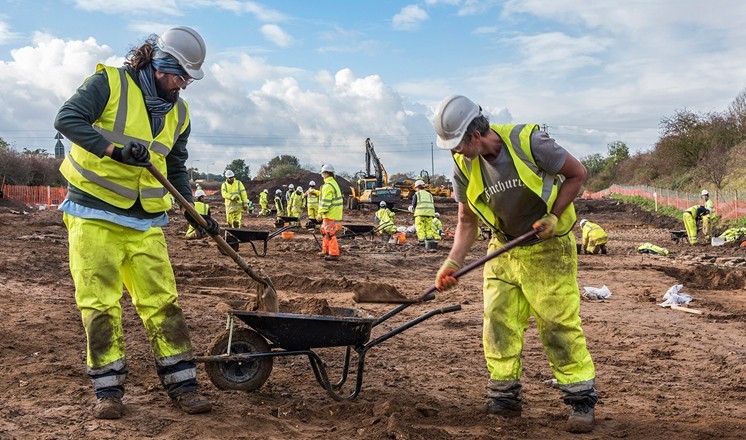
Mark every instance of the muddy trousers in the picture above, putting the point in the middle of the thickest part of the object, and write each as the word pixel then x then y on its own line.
pixel 691 227
pixel 233 215
pixel 105 256
pixel 595 243
pixel 538 280
pixel 707 226
pixel 424 227
pixel 329 243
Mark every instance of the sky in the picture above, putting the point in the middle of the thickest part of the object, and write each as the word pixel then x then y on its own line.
pixel 314 79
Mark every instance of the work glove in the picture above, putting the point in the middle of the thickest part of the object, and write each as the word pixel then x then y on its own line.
pixel 411 208
pixel 444 280
pixel 319 218
pixel 235 197
pixel 133 153
pixel 212 226
pixel 544 227
pixel 246 207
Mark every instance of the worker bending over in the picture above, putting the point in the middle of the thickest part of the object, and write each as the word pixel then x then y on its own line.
pixel 594 238
pixel 691 217
pixel 437 227
pixel 203 209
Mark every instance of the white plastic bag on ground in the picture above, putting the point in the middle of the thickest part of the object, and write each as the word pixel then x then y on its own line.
pixel 675 296
pixel 596 293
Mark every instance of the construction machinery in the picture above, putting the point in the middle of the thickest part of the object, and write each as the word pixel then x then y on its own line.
pixel 407 189
pixel 370 189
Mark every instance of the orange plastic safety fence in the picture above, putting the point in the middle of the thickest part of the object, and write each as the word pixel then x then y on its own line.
pixel 35 196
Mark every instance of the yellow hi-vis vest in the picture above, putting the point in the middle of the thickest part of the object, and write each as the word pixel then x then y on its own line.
pixel 425 204
pixel 125 118
pixel 331 200
pixel 517 140
pixel 313 197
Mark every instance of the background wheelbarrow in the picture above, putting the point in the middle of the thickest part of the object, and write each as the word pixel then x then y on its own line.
pixel 241 358
pixel 236 235
pixel 352 231
pixel 283 220
pixel 678 235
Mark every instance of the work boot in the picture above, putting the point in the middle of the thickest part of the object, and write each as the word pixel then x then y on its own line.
pixel 581 418
pixel 503 406
pixel 109 407
pixel 603 249
pixel 321 254
pixel 331 258
pixel 193 403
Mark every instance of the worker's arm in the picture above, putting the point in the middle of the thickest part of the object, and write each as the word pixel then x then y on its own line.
pixel 575 174
pixel 176 165
pixel 466 232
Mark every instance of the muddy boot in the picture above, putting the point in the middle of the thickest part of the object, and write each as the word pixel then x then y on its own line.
pixel 331 258
pixel 503 398
pixel 603 249
pixel 110 407
pixel 582 416
pixel 193 403
pixel 321 254
pixel 431 245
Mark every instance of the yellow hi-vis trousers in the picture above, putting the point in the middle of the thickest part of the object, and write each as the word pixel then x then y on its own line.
pixel 690 224
pixel 103 257
pixel 539 279
pixel 424 227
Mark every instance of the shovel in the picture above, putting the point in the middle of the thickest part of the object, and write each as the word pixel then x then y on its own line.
pixel 385 293
pixel 266 297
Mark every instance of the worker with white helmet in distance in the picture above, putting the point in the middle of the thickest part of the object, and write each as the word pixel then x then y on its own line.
pixel 509 177
pixel 296 202
pixel 330 212
pixel 120 120
pixel 279 203
pixel 203 209
pixel 385 219
pixel 288 194
pixel 437 227
pixel 236 200
pixel 594 238
pixel 263 202
pixel 707 219
pixel 423 207
pixel 691 217
pixel 312 200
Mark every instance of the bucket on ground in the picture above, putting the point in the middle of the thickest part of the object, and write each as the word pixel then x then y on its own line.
pixel 287 234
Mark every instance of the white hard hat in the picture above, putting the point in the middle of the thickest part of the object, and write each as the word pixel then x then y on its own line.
pixel 382 204
pixel 278 191
pixel 583 222
pixel 326 168
pixel 437 215
pixel 452 118
pixel 199 193
pixel 299 189
pixel 291 186
pixel 187 46
pixel 419 183
pixel 312 183
pixel 229 174
pixel 266 190
pixel 705 193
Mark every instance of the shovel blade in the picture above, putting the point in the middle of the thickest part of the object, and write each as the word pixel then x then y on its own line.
pixel 380 293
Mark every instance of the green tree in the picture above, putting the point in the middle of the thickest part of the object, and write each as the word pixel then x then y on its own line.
pixel 594 163
pixel 240 169
pixel 618 151
pixel 4 146
pixel 279 166
pixel 38 152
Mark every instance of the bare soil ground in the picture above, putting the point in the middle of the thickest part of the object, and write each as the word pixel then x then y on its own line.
pixel 661 373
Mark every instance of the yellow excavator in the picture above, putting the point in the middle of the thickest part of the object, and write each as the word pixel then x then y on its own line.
pixel 371 189
pixel 407 189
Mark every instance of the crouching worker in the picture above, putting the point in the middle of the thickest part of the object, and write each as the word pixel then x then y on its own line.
pixel 385 220
pixel 120 120
pixel 691 217
pixel 594 238
pixel 203 209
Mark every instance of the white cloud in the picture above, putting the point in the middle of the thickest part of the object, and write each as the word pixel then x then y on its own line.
pixel 261 12
pixel 5 33
pixel 409 18
pixel 169 7
pixel 276 35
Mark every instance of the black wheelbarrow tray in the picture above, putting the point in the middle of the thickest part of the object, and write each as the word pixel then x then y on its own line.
pixel 352 231
pixel 241 358
pixel 236 235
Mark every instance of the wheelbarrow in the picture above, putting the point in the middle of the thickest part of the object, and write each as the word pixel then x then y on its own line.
pixel 283 220
pixel 236 235
pixel 678 235
pixel 241 358
pixel 352 231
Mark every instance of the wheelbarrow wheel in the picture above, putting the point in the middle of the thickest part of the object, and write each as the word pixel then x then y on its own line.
pixel 243 375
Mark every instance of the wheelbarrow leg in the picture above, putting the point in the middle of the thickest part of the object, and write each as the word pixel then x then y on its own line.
pixel 323 379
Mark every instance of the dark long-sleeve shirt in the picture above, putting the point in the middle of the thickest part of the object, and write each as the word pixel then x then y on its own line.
pixel 75 119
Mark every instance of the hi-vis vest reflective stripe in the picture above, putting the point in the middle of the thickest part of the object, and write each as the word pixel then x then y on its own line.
pixel 545 186
pixel 384 216
pixel 125 119
pixel 425 204
pixel 331 199
pixel 313 197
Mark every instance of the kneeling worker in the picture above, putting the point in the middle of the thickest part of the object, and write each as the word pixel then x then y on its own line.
pixel 203 209
pixel 594 238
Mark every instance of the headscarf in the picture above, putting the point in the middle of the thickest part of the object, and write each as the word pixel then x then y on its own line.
pixel 157 106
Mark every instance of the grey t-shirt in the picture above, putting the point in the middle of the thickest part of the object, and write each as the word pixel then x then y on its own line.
pixel 515 205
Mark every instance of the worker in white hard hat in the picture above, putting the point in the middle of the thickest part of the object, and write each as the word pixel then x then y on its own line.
pixel 263 202
pixel 279 202
pixel 423 207
pixel 120 120
pixel 236 200
pixel 296 202
pixel 437 227
pixel 203 209
pixel 385 219
pixel 707 219
pixel 509 177
pixel 330 212
pixel 594 238
pixel 312 200
pixel 288 194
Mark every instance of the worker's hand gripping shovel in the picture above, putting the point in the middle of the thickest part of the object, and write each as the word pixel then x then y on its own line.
pixel 266 296
pixel 385 293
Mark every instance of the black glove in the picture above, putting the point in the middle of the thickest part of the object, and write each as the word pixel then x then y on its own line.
pixel 133 153
pixel 212 226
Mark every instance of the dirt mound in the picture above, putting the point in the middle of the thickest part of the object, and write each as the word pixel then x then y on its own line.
pixel 13 205
pixel 254 187
pixel 605 210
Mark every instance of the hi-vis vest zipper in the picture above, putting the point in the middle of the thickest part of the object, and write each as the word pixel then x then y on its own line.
pixel 546 186
pixel 125 119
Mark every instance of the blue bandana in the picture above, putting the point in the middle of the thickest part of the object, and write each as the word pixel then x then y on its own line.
pixel 166 63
